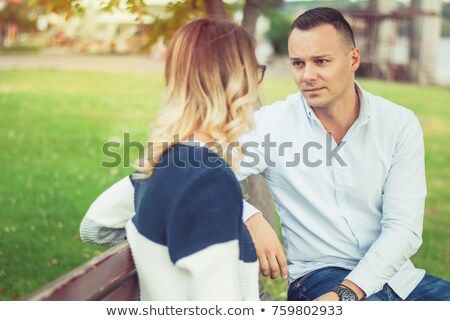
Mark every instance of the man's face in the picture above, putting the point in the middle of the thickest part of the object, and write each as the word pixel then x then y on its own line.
pixel 322 65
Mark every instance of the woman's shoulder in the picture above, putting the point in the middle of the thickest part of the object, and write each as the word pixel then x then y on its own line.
pixel 200 163
pixel 187 170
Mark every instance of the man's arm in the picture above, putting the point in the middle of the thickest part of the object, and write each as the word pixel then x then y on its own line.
pixel 271 257
pixel 403 202
pixel 403 210
pixel 105 220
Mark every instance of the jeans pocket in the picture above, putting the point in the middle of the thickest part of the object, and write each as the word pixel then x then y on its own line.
pixel 316 283
pixel 296 291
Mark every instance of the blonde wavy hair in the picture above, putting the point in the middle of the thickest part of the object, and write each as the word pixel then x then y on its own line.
pixel 211 86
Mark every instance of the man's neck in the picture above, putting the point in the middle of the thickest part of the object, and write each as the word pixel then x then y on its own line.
pixel 339 118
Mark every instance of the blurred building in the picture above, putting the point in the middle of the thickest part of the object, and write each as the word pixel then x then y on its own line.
pixel 398 43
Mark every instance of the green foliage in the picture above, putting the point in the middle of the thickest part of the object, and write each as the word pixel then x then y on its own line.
pixel 137 7
pixel 19 49
pixel 54 124
pixel 280 24
pixel 445 20
pixel 176 15
pixel 445 32
pixel 165 22
pixel 68 8
pixel 59 6
pixel 446 10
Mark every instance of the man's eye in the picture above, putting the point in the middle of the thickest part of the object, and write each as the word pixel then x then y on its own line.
pixel 322 62
pixel 297 63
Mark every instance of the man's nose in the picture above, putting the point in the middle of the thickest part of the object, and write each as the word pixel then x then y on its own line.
pixel 309 73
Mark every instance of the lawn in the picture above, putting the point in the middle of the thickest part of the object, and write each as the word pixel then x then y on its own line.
pixel 54 124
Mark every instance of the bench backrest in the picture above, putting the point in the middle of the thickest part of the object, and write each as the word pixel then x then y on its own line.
pixel 110 276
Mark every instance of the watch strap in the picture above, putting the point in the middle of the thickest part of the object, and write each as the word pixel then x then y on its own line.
pixel 345 293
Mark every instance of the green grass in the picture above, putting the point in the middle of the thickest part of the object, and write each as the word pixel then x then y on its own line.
pixel 52 128
pixel 19 50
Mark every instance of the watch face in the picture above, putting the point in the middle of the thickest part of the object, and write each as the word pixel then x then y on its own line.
pixel 346 294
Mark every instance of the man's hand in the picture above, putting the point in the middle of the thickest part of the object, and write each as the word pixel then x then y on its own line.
pixel 272 260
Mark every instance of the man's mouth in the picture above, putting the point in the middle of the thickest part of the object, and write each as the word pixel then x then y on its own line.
pixel 312 90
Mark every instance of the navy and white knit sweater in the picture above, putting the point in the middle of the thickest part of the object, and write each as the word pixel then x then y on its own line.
pixel 187 237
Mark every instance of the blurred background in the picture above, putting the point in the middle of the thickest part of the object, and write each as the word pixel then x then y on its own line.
pixel 75 74
pixel 407 40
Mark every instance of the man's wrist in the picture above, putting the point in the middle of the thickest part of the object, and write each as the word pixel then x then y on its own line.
pixel 355 288
pixel 345 293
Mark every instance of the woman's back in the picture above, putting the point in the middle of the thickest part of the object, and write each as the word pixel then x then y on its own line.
pixel 188 218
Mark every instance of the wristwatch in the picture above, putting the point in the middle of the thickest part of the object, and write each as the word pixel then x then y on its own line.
pixel 345 293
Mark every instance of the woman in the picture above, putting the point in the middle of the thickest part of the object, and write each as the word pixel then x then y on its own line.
pixel 187 237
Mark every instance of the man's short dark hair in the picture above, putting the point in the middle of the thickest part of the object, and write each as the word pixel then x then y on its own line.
pixel 323 15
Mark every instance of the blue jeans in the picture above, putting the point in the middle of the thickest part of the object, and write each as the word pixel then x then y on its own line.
pixel 316 283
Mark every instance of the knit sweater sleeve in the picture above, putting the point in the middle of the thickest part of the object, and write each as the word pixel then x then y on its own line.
pixel 105 220
pixel 203 236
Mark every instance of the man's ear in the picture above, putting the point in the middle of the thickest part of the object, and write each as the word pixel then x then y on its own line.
pixel 356 58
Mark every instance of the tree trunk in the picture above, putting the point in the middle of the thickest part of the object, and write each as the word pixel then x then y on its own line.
pixel 252 8
pixel 255 186
pixel 216 10
pixel 260 197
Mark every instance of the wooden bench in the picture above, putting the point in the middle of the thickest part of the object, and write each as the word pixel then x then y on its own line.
pixel 110 276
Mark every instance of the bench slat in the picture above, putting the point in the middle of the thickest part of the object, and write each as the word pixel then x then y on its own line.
pixel 129 291
pixel 109 276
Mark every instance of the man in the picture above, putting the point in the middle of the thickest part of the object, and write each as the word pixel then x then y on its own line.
pixel 352 209
pixel 346 170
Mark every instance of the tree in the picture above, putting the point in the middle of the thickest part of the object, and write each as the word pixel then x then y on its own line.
pixel 278 33
pixel 215 9
pixel 16 12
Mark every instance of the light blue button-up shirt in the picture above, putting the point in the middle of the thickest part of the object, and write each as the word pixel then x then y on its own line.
pixel 357 205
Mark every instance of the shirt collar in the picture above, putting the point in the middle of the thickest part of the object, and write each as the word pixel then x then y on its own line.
pixel 364 111
pixel 309 111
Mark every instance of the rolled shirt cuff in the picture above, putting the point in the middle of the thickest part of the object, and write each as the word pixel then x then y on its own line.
pixel 248 211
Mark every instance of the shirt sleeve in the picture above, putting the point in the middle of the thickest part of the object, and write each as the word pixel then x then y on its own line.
pixel 403 210
pixel 105 220
pixel 254 160
pixel 253 144
pixel 248 210
pixel 203 237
